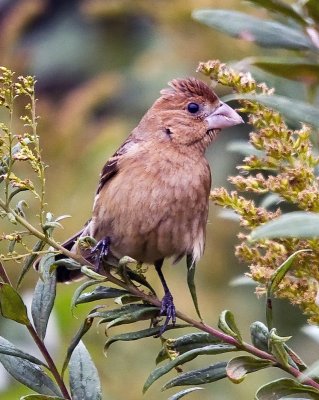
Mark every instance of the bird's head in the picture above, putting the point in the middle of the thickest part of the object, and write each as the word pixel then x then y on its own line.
pixel 190 113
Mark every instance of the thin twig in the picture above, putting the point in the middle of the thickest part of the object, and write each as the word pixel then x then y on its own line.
pixel 49 361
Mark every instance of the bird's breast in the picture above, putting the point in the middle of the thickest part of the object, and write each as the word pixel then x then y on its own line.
pixel 152 211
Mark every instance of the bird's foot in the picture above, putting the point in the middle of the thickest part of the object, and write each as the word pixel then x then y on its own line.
pixel 168 309
pixel 100 251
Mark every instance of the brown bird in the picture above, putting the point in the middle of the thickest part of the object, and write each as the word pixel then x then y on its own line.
pixel 152 198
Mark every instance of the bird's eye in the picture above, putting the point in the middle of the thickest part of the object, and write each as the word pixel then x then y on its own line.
pixel 193 107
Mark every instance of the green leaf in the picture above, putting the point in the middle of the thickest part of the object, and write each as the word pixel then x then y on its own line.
pixel 228 325
pixel 134 276
pixel 125 337
pixel 84 379
pixel 294 68
pixel 191 266
pixel 239 367
pixel 281 271
pixel 89 272
pixel 294 110
pixel 12 306
pixel 297 224
pixel 185 343
pixel 199 376
pixel 270 200
pixel 265 33
pixel 99 293
pixel 130 312
pixel 281 388
pixel 259 335
pixel 183 393
pixel 27 373
pixel 126 299
pixel 67 263
pixel 186 357
pixel 30 260
pixel 281 8
pixel 244 148
pixel 44 295
pixel 79 291
pixel 141 314
pixel 86 325
pixel 9 349
pixel 277 347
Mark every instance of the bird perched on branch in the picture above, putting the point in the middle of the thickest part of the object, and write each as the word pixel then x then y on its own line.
pixel 152 198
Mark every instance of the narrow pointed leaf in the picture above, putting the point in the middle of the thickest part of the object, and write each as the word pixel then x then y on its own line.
pixel 79 291
pixel 295 359
pixel 199 376
pixel 134 276
pixel 281 271
pixel 89 272
pixel 265 33
pixel 281 388
pixel 283 9
pixel 293 110
pixel 243 147
pixel 125 337
pixel 27 373
pixel 86 325
pixel 295 68
pixel 30 260
pixel 125 311
pixel 44 295
pixel 184 393
pixel 228 325
pixel 12 306
pixel 99 293
pixel 9 349
pixel 68 263
pixel 185 343
pixel 297 224
pixel 62 217
pixel 129 318
pixel 191 266
pixel 84 379
pixel 239 367
pixel 126 299
pixel 186 357
pixel 277 347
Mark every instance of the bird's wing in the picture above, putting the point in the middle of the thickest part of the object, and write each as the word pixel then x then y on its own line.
pixel 111 166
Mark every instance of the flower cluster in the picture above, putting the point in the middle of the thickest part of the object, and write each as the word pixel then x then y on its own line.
pixel 284 166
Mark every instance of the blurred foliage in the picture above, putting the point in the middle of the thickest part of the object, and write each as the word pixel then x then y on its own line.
pixel 91 58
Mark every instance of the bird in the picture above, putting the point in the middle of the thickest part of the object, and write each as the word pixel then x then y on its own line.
pixel 152 198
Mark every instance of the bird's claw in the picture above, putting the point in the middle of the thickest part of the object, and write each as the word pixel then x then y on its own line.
pixel 100 251
pixel 168 309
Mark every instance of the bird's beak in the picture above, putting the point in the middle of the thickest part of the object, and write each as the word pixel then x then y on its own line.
pixel 223 117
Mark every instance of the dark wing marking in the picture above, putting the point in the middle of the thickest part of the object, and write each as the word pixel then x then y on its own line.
pixel 111 166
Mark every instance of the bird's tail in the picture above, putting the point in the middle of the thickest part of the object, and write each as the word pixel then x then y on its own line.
pixel 62 273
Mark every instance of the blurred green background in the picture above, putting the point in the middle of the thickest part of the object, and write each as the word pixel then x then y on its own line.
pixel 100 64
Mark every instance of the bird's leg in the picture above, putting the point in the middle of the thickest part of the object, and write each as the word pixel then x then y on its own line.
pixel 100 251
pixel 167 304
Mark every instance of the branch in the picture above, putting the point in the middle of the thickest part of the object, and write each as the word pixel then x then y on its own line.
pixel 155 301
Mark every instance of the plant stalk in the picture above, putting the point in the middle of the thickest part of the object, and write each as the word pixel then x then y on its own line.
pixel 49 361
